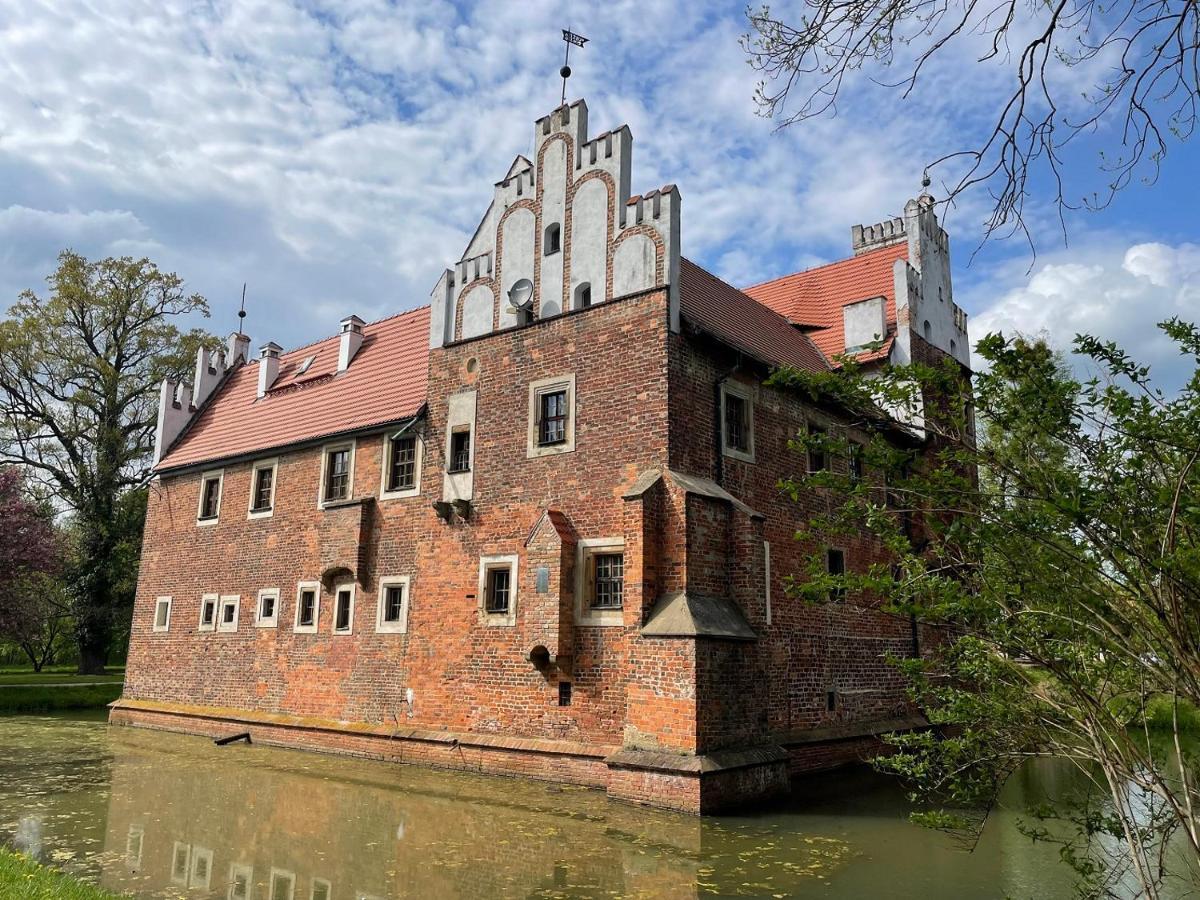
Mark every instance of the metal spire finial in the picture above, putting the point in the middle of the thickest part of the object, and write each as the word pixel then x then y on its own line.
pixel 242 311
pixel 570 38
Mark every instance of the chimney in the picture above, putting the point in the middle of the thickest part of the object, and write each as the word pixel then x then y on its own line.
pixel 239 349
pixel 352 338
pixel 268 366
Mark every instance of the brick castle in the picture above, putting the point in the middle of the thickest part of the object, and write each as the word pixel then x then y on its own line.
pixel 534 527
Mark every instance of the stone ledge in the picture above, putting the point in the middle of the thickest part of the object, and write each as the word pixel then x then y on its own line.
pixel 719 761
pixel 852 730
pixel 428 736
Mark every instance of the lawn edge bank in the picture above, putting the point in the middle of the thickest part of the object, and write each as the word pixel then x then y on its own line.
pixel 22 878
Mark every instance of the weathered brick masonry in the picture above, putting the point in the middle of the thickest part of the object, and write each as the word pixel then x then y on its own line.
pixel 699 684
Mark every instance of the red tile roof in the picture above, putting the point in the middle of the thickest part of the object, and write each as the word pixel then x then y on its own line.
pixel 815 297
pixel 384 383
pixel 728 314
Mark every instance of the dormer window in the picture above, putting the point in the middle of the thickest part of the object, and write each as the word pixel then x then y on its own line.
pixel 553 242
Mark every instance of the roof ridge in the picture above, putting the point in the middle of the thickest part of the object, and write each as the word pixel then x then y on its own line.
pixel 836 262
pixel 777 315
pixel 327 337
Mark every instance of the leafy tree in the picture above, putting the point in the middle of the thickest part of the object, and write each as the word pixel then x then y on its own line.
pixel 80 370
pixel 1069 572
pixel 1126 73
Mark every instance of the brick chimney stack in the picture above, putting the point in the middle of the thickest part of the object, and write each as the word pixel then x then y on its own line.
pixel 352 338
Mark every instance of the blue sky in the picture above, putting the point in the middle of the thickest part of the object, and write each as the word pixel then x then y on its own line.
pixel 337 156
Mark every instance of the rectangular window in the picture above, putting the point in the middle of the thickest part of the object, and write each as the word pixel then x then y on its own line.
pixel 608 585
pixel 856 462
pixel 402 464
pixel 737 420
pixel 201 877
pixel 552 418
pixel 262 489
pixel 564 693
pixel 460 451
pixel 835 564
pixel 208 612
pixel 736 432
pixel 241 881
pixel 498 585
pixel 308 607
pixel 162 614
pixel 393 605
pixel 229 613
pixel 283 885
pixel 210 498
pixel 343 610
pixel 321 890
pixel 267 614
pixel 817 459
pixel 337 475
pixel 181 860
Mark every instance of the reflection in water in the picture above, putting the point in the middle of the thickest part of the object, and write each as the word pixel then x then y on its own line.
pixel 163 815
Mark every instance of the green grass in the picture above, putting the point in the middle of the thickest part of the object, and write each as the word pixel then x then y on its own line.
pixel 65 669
pixel 23 879
pixel 59 678
pixel 47 698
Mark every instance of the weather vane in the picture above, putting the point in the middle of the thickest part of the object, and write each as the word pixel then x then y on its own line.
pixel 570 38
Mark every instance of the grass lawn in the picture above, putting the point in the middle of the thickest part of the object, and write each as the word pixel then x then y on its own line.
pixel 46 698
pixel 31 677
pixel 23 879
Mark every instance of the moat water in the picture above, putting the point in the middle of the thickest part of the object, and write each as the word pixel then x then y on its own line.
pixel 164 815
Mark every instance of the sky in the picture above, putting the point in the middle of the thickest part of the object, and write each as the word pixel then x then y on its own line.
pixel 335 157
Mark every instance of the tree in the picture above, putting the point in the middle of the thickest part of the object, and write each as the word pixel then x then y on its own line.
pixel 1069 572
pixel 1136 61
pixel 80 370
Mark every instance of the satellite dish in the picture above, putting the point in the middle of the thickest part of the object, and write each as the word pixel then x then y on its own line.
pixel 520 295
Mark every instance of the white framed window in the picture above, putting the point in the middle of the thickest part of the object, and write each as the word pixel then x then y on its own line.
pixel 283 885
pixel 266 611
pixel 208 510
pixel 401 468
pixel 737 420
pixel 337 473
pixel 227 619
pixel 551 416
pixel 134 841
pixel 208 612
pixel 308 607
pixel 498 590
pixel 262 489
pixel 391 616
pixel 201 876
pixel 241 881
pixel 343 609
pixel 600 581
pixel 181 863
pixel 162 614
pixel 320 890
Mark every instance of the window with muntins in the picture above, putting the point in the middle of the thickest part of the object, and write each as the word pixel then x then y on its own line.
pixel 460 451
pixel 402 464
pixel 264 489
pixel 210 497
pixel 552 418
pixel 393 603
pixel 306 616
pixel 737 424
pixel 337 474
pixel 498 589
pixel 608 582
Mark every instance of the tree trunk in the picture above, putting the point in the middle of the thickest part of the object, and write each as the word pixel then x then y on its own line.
pixel 93 654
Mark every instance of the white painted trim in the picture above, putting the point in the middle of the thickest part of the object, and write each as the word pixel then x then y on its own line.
pixel 584 613
pixel 269 621
pixel 216 602
pixel 548 386
pixel 273 465
pixel 227 600
pixel 486 563
pixel 297 628
pixel 166 626
pixel 325 451
pixel 337 590
pixel 746 393
pixel 177 877
pixel 219 476
pixel 386 462
pixel 400 626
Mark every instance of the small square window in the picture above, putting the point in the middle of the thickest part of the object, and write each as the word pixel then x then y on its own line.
pixel 308 607
pixel 210 498
pixel 228 620
pixel 262 489
pixel 343 610
pixel 460 451
pixel 208 612
pixel 818 460
pixel 552 417
pixel 338 461
pixel 401 472
pixel 835 564
pixel 267 614
pixel 162 614
pixel 393 605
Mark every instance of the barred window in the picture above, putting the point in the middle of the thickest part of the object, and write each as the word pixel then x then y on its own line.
pixel 608 583
pixel 460 451
pixel 402 463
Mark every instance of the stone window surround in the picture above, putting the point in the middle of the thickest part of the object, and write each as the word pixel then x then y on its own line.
pixel 548 386
pixel 159 603
pixel 315 587
pixel 227 600
pixel 215 599
pixel 337 590
pixel 273 465
pixel 219 476
pixel 269 621
pixel 746 393
pixel 386 464
pixel 486 564
pixel 401 625
pixel 326 450
pixel 585 614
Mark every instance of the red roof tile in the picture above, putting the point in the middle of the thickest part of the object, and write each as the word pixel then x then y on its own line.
pixel 384 383
pixel 815 297
pixel 725 312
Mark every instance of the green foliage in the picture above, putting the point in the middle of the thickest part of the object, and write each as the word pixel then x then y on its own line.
pixel 1059 547
pixel 23 879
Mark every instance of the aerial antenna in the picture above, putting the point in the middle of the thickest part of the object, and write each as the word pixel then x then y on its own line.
pixel 570 38
pixel 242 311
